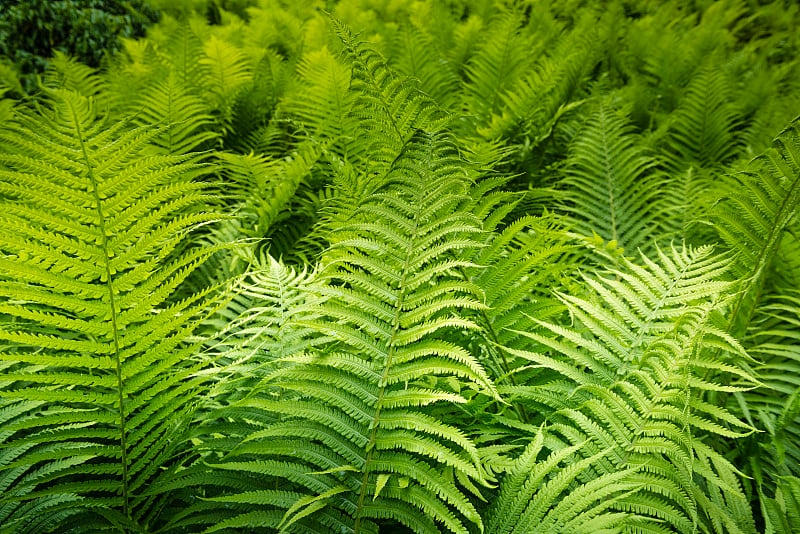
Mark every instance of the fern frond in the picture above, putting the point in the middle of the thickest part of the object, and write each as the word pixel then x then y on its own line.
pixel 225 71
pixel 534 102
pixel 702 130
pixel 64 72
pixel 364 406
pixel 97 346
pixel 324 105
pixel 754 213
pixel 419 58
pixel 634 377
pixel 388 108
pixel 499 62
pixel 255 330
pixel 610 188
pixel 183 118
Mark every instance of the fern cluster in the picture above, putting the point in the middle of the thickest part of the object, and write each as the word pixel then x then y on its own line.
pixel 413 266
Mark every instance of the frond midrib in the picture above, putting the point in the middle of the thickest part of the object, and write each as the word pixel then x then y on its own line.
pixel 112 302
pixel 390 345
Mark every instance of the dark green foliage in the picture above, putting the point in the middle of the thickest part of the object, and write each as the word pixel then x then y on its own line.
pixel 32 30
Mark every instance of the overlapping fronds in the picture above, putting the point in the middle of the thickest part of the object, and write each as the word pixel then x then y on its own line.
pixel 635 374
pixel 755 211
pixel 470 247
pixel 354 441
pixel 782 513
pixel 544 494
pixel 504 52
pixel 262 187
pixel 516 262
pixel 775 407
pixel 324 107
pixel 184 41
pixel 420 59
pixel 536 100
pixel 611 188
pixel 256 328
pixel 388 108
pixel 97 380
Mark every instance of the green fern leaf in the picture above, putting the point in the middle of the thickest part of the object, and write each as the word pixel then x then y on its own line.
pixel 360 407
pixel 609 183
pixel 97 359
pixel 633 377
pixel 183 117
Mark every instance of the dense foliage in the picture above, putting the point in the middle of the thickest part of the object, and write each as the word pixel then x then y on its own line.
pixel 32 30
pixel 425 266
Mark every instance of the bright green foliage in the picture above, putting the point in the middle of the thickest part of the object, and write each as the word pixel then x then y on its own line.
pixel 97 377
pixel 644 351
pixel 408 266
pixel 388 297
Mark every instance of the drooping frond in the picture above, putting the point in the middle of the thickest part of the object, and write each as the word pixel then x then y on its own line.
pixel 610 188
pixel 755 211
pixel 97 376
pixel 352 437
pixel 636 373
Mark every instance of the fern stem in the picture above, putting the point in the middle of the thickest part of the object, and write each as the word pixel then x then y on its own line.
pixel 390 345
pixel 112 303
pixel 519 408
pixel 765 257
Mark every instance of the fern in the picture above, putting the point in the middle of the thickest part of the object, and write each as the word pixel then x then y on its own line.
pixel 635 376
pixel 537 496
pixel 389 109
pixel 420 59
pixel 752 217
pixel 325 105
pixel 97 380
pixel 498 63
pixel 702 133
pixel 64 72
pixel 226 71
pixel 358 423
pixel 183 117
pixel 473 285
pixel 610 191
